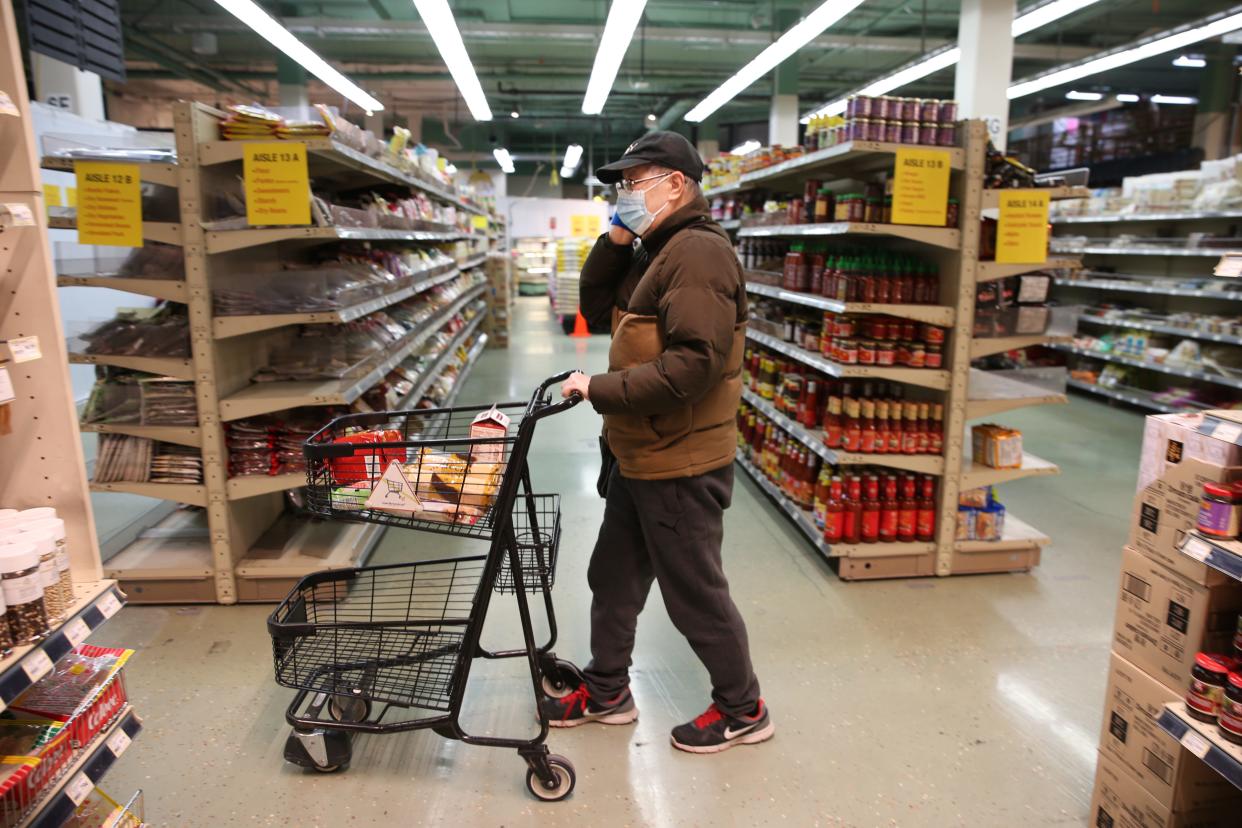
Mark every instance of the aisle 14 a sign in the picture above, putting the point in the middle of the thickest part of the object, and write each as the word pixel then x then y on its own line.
pixel 921 187
pixel 277 184
pixel 109 204
pixel 1022 232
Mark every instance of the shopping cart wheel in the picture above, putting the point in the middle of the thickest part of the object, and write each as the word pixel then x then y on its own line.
pixel 349 710
pixel 560 677
pixel 326 751
pixel 557 789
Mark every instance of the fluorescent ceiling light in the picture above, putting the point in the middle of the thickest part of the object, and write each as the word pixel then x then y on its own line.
pixel 451 169
pixel 950 55
pixel 438 18
pixel 1084 96
pixel 800 34
pixel 503 159
pixel 573 154
pixel 1124 57
pixel 1125 97
pixel 1173 99
pixel 623 17
pixel 515 114
pixel 280 37
pixel 567 172
pixel 1189 62
pixel 745 147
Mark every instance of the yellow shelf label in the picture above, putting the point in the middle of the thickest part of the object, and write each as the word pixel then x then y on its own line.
pixel 921 187
pixel 277 184
pixel 1022 232
pixel 51 196
pixel 109 203
pixel 584 225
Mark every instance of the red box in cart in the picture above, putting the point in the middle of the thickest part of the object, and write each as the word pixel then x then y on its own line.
pixel 85 691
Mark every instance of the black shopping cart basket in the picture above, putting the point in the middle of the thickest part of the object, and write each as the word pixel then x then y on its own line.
pixel 358 643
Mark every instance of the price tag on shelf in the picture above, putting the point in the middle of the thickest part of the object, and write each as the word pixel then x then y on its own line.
pixel 1022 231
pixel 921 187
pixel 18 214
pixel 77 631
pixel 109 203
pixel 1196 548
pixel 277 184
pixel 108 605
pixel 36 665
pixel 118 742
pixel 1229 432
pixel 79 788
pixel 25 349
pixel 1194 742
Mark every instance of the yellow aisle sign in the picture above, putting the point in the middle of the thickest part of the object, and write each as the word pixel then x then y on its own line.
pixel 277 184
pixel 1022 233
pixel 51 196
pixel 592 225
pixel 921 187
pixel 584 225
pixel 109 204
pixel 478 222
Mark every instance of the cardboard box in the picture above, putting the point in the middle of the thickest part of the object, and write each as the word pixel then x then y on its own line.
pixel 1169 439
pixel 1174 777
pixel 1119 801
pixel 1164 618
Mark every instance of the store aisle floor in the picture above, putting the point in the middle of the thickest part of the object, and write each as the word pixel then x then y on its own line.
pixel 966 701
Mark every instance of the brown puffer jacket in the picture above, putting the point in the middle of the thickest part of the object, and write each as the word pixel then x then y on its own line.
pixel 677 306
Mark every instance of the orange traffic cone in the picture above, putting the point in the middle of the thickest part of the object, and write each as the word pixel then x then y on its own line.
pixel 580 326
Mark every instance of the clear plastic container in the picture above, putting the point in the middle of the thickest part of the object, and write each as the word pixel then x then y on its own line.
pixel 22 587
pixel 49 576
pixel 61 594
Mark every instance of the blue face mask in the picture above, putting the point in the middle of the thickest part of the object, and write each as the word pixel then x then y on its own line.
pixel 633 212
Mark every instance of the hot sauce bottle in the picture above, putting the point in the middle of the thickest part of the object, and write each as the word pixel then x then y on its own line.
pixel 834 424
pixel 924 443
pixel 852 517
pixel 881 426
pixel 925 520
pixel 910 431
pixel 935 436
pixel 834 513
pixel 907 510
pixel 819 507
pixel 852 434
pixel 868 427
pixel 888 510
pixel 870 531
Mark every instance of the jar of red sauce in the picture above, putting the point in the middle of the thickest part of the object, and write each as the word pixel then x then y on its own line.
pixel 1220 510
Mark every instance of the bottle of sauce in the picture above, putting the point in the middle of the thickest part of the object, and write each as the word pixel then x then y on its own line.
pixel 816 283
pixel 925 518
pixel 851 531
pixel 935 430
pixel 907 510
pixel 809 475
pixel 895 436
pixel 881 426
pixel 819 506
pixel 834 513
pixel 910 429
pixel 870 530
pixel 888 510
pixel 851 439
pixel 834 424
pixel 867 445
pixel 924 445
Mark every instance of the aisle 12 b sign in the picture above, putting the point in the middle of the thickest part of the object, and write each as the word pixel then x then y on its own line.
pixel 277 184
pixel 1022 231
pixel 921 187
pixel 109 204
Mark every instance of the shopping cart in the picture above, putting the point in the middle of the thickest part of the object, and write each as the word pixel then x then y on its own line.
pixel 359 644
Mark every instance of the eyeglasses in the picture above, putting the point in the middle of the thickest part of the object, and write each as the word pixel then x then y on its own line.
pixel 627 184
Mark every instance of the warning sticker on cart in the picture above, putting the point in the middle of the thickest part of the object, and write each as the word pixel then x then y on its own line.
pixel 393 492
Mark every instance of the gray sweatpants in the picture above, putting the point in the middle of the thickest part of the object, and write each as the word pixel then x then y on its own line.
pixel 669 531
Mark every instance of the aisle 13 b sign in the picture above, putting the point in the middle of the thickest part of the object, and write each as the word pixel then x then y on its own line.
pixel 109 204
pixel 277 184
pixel 1022 232
pixel 921 187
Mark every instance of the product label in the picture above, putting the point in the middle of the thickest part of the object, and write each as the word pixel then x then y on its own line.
pixel 79 788
pixel 921 187
pixel 6 387
pixel 25 349
pixel 1229 432
pixel 1022 232
pixel 108 605
pixel 1195 743
pixel 109 204
pixel 36 665
pixel 77 631
pixel 62 558
pixel 277 184
pixel 22 590
pixel 48 574
pixel 51 196
pixel 1196 548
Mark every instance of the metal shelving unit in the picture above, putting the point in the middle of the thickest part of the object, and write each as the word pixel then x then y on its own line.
pixel 948 238
pixel 1134 287
pixel 932 314
pixel 1133 396
pixel 1189 333
pixel 1219 379
pixel 1128 218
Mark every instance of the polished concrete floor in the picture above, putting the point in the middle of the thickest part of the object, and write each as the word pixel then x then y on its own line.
pixel 968 701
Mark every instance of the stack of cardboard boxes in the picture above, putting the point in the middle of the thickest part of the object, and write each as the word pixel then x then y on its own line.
pixel 1170 607
pixel 500 296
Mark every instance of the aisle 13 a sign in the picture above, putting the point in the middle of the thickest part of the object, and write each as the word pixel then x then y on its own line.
pixel 1022 232
pixel 109 204
pixel 921 187
pixel 277 184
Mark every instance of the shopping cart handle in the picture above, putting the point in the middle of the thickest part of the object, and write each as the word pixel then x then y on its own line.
pixel 550 381
pixel 541 404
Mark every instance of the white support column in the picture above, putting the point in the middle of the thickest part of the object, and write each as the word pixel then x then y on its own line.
pixel 292 94
pixel 708 148
pixel 783 121
pixel 67 87
pixel 986 67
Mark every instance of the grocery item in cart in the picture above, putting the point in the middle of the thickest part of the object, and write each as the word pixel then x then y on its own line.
pixel 365 464
pixel 492 424
pixel 453 484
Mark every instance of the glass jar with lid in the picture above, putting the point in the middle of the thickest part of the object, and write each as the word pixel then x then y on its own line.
pixel 22 587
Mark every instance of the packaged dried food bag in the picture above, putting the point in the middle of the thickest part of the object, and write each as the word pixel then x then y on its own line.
pixel 365 464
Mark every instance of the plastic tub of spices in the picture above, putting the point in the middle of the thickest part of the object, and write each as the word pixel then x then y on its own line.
pixel 49 576
pixel 1229 717
pixel 1220 510
pixel 63 589
pixel 1207 686
pixel 22 588
pixel 38 513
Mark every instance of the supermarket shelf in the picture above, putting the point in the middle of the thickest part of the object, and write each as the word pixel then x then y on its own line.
pixel 924 377
pixel 723 189
pixel 1134 287
pixel 1140 250
pixel 433 370
pixel 1218 379
pixel 1203 741
pixel 253 485
pixel 1220 554
pixel 295 547
pixel 1110 218
pixel 94 603
pixel 84 772
pixel 267 397
pixel 222 241
pixel 945 237
pixel 476 261
pixel 1015 536
pixel 730 224
pixel 167 289
pixel 986 346
pixel 932 314
pixel 160 231
pixel 228 326
pixel 171 562
pixel 991 271
pixel 813 438
pixel 991 198
pixel 1167 329
pixel 180 435
pixel 975 474
pixel 162 366
pixel 151 171
pixel 194 494
pixel 976 409
pixel 1143 399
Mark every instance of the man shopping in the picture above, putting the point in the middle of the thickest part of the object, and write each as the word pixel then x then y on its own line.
pixel 677 306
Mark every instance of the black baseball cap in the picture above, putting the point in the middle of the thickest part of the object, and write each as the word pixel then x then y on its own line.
pixel 666 149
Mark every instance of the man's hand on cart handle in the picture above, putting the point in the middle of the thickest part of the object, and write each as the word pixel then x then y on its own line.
pixel 577 382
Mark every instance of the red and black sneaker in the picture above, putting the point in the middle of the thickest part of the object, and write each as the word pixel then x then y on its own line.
pixel 714 730
pixel 579 708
